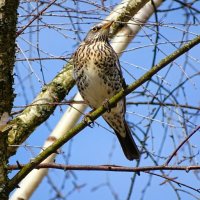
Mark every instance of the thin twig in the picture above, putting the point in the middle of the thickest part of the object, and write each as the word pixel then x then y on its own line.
pixel 164 104
pixel 177 182
pixel 181 144
pixel 35 17
pixel 108 167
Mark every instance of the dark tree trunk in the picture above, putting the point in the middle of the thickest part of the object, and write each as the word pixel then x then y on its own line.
pixel 8 19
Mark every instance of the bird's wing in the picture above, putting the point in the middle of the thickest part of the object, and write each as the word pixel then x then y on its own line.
pixel 120 71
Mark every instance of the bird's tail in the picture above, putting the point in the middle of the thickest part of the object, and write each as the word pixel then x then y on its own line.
pixel 128 144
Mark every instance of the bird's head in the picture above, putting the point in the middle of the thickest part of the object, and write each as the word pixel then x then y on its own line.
pixel 99 33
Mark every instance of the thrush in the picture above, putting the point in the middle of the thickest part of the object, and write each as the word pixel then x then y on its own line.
pixel 98 77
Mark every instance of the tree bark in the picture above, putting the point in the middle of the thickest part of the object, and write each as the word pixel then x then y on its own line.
pixel 8 19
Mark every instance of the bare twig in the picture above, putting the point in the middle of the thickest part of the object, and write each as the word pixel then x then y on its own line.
pixel 181 144
pixel 173 180
pixel 147 103
pixel 35 17
pixel 109 167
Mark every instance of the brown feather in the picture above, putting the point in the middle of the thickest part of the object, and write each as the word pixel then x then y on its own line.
pixel 128 144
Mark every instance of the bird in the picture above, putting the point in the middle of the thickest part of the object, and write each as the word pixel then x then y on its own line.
pixel 98 76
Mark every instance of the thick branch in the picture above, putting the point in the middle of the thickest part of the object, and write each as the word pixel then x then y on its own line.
pixel 25 123
pixel 126 10
pixel 95 114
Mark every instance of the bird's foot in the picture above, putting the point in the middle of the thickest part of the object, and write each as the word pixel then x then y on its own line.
pixel 106 105
pixel 87 119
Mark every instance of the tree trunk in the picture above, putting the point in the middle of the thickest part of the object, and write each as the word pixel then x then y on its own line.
pixel 8 19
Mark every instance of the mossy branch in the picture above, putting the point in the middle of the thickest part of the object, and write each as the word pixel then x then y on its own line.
pixel 25 123
pixel 127 10
pixel 98 112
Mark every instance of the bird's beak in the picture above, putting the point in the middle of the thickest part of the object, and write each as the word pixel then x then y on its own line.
pixel 107 25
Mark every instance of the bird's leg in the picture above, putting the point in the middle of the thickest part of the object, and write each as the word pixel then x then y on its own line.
pixel 106 105
pixel 87 119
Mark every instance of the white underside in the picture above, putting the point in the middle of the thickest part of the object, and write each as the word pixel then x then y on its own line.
pixel 96 91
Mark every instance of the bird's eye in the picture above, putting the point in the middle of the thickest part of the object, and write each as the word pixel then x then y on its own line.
pixel 95 29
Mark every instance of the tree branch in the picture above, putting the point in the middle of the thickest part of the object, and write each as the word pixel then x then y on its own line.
pixel 35 17
pixel 177 105
pixel 25 123
pixel 181 144
pixel 108 167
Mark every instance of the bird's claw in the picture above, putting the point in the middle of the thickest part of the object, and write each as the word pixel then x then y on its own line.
pixel 106 105
pixel 87 119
